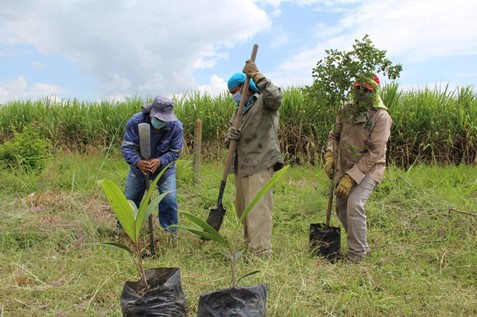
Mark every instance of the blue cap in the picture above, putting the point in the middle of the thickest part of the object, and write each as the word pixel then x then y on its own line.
pixel 239 78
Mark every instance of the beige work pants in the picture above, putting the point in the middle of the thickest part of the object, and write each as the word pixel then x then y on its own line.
pixel 352 215
pixel 258 223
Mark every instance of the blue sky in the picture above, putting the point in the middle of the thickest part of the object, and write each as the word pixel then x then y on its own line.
pixel 112 49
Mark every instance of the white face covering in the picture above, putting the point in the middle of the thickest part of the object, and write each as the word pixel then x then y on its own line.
pixel 237 97
pixel 158 124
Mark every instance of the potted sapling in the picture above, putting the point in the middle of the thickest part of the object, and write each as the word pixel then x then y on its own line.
pixel 250 301
pixel 158 290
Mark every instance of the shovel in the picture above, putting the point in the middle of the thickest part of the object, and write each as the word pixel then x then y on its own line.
pixel 325 241
pixel 145 146
pixel 216 215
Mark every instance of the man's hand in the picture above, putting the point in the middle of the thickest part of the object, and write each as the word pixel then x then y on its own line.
pixel 251 70
pixel 329 164
pixel 144 166
pixel 344 186
pixel 155 164
pixel 233 134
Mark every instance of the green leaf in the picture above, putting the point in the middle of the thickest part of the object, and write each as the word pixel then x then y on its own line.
pixel 120 246
pixel 152 207
pixel 207 228
pixel 247 275
pixel 203 234
pixel 146 207
pixel 228 256
pixel 121 207
pixel 201 223
pixel 262 192
pixel 233 257
pixel 238 255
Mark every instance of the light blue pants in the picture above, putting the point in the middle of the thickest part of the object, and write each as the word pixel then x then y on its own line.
pixel 167 209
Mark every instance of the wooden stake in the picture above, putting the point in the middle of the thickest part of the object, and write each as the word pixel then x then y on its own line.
pixel 197 149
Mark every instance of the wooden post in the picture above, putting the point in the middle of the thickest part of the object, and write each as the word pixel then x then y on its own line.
pixel 197 149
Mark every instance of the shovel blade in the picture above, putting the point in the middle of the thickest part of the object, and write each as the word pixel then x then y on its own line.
pixel 216 217
pixel 325 241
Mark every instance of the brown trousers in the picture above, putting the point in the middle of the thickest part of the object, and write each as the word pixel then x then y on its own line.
pixel 258 223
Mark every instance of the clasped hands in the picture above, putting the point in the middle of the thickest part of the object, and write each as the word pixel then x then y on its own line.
pixel 149 166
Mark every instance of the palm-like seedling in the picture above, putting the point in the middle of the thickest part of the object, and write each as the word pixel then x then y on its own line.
pixel 132 218
pixel 204 230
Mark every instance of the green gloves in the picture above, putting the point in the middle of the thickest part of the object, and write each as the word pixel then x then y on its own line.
pixel 251 70
pixel 343 188
pixel 329 164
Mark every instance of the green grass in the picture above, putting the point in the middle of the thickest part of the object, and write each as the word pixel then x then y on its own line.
pixel 423 260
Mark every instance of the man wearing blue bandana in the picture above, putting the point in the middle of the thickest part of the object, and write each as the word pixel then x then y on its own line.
pixel 166 145
pixel 258 153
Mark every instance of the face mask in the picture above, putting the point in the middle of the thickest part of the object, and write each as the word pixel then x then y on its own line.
pixel 237 97
pixel 158 124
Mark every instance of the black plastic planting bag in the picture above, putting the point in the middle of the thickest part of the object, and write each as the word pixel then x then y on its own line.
pixel 324 241
pixel 164 297
pixel 249 301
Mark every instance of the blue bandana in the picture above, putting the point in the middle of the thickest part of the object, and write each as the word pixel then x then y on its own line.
pixel 238 79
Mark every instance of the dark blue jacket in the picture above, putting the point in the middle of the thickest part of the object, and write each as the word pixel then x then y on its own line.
pixel 166 144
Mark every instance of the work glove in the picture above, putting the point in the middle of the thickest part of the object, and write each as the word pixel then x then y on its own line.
pixel 344 186
pixel 233 134
pixel 329 164
pixel 250 69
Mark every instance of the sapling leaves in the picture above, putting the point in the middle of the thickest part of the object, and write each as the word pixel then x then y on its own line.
pixel 206 231
pixel 262 192
pixel 121 207
pixel 130 217
pixel 146 210
pixel 277 175
pixel 120 245
pixel 247 275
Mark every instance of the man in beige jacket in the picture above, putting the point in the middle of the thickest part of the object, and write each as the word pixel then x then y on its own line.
pixel 358 144
pixel 258 153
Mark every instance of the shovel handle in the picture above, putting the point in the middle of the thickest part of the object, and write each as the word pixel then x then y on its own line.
pixel 330 204
pixel 238 120
pixel 151 226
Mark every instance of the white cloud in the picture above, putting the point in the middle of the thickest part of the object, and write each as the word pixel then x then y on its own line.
pixel 217 85
pixel 44 89
pixel 152 47
pixel 144 47
pixel 13 88
pixel 410 31
pixel 20 89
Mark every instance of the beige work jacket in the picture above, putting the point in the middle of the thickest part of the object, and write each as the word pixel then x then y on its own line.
pixel 361 144
pixel 258 147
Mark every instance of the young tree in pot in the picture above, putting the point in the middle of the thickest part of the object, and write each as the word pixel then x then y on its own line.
pixel 158 290
pixel 253 298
